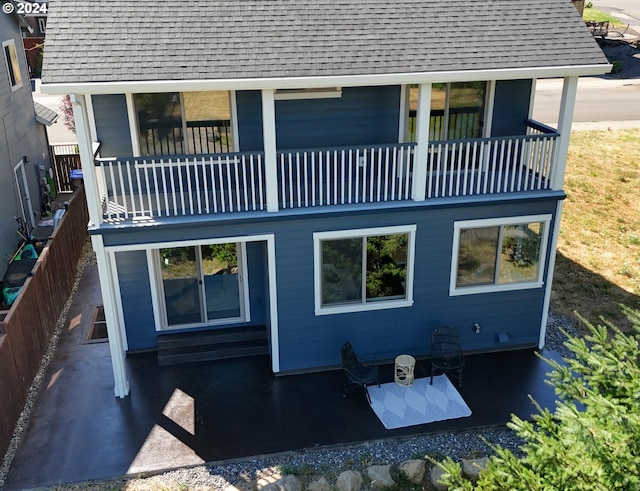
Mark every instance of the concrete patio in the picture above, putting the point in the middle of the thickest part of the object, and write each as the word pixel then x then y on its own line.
pixel 214 411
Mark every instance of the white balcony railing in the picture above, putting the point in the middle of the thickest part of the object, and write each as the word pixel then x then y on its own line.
pixel 226 183
pixel 344 176
pixel 491 165
pixel 179 186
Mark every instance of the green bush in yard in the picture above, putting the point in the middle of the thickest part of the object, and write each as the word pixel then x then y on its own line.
pixel 592 439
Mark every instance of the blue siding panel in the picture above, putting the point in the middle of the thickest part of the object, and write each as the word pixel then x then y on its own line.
pixel 256 277
pixel 135 291
pixel 511 107
pixel 112 124
pixel 308 341
pixel 249 110
pixel 362 116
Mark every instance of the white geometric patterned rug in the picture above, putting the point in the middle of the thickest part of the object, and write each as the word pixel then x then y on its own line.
pixel 421 403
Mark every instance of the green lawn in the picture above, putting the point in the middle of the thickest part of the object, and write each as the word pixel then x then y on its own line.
pixel 591 14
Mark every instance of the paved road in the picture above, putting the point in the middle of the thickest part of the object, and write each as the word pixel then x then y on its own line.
pixel 628 11
pixel 597 100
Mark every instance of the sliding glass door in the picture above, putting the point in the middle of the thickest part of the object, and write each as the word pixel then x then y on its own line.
pixel 201 284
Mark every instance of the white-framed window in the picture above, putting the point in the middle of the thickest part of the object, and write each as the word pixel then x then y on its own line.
pixel 499 254
pixel 458 110
pixel 364 269
pixel 42 24
pixel 183 123
pixel 11 62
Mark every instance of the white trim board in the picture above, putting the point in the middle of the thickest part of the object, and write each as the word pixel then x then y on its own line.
pixel 320 82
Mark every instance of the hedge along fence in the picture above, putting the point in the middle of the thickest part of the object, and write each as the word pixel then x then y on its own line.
pixel 26 330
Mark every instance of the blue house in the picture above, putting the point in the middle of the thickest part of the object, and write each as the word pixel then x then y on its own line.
pixel 296 173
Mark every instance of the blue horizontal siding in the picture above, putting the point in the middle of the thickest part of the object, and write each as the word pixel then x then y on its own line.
pixel 362 116
pixel 135 291
pixel 112 124
pixel 511 107
pixel 309 341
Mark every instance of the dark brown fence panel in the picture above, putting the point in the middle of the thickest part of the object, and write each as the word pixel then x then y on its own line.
pixel 13 397
pixel 26 329
pixel 65 159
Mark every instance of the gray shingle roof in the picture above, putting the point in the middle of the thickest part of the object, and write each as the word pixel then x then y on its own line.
pixel 142 40
pixel 44 115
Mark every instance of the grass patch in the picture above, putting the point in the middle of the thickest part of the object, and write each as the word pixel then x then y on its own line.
pixel 595 15
pixel 598 263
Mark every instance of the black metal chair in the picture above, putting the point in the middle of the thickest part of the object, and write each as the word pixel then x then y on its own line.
pixel 446 353
pixel 358 374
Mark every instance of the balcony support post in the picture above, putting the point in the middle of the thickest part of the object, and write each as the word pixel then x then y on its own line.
pixel 270 159
pixel 104 260
pixel 567 104
pixel 85 149
pixel 421 157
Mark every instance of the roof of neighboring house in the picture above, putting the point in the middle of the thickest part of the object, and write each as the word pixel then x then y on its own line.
pixel 44 115
pixel 143 40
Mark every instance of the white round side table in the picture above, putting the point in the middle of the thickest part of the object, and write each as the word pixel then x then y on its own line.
pixel 405 365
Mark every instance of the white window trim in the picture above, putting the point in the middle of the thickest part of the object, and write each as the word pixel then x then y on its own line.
pixel 455 290
pixel 18 85
pixel 42 24
pixel 157 298
pixel 318 237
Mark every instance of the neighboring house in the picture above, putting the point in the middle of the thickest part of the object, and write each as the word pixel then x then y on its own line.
pixel 332 170
pixel 33 36
pixel 24 152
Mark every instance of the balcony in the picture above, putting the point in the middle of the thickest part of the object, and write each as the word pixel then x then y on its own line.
pixel 150 187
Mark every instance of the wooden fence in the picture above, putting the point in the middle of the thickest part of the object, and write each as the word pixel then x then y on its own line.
pixel 65 159
pixel 26 329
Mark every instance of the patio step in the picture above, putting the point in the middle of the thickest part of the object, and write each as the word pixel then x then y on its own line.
pixel 217 344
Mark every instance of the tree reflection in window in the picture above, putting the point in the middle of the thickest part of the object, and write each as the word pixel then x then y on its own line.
pixel 500 254
pixel 383 258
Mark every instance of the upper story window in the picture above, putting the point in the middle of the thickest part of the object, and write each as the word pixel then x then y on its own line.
pixel 499 254
pixel 366 269
pixel 11 62
pixel 173 123
pixel 457 110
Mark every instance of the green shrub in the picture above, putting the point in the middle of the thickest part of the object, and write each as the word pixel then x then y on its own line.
pixel 592 439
